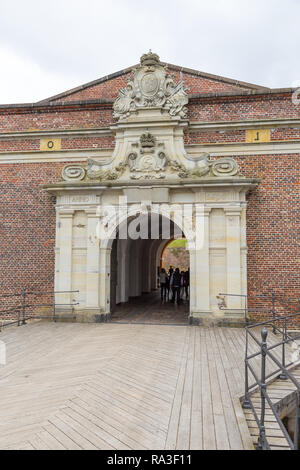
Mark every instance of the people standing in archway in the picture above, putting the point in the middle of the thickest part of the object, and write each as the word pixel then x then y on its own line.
pixel 182 284
pixel 168 288
pixel 175 283
pixel 163 278
pixel 187 283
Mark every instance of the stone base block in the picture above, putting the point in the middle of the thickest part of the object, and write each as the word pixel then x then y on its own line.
pixel 208 319
pixel 85 316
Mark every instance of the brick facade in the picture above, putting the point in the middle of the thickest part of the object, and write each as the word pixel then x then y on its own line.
pixel 27 226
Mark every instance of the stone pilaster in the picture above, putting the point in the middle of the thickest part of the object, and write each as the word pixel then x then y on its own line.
pixel 200 265
pixel 104 279
pixel 233 255
pixel 65 221
pixel 92 261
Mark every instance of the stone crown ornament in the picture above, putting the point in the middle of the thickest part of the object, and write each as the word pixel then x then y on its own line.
pixel 150 59
pixel 147 140
pixel 151 86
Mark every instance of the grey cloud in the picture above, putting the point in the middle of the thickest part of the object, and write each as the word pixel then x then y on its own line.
pixel 247 40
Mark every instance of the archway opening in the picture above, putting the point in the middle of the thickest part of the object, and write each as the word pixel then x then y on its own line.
pixel 136 293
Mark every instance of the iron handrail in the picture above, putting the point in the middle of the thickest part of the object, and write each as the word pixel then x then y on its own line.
pixel 39 293
pixel 20 310
pixel 282 368
pixel 273 299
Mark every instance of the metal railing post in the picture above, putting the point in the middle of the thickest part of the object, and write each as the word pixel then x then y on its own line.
pixel 274 313
pixel 24 307
pixel 19 313
pixel 246 403
pixel 262 441
pixel 246 311
pixel 284 337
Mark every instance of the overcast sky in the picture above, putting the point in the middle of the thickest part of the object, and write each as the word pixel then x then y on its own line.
pixel 49 46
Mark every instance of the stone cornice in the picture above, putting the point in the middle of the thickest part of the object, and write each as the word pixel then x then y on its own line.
pixel 215 150
pixel 218 182
pixel 193 126
pixel 243 148
pixel 241 93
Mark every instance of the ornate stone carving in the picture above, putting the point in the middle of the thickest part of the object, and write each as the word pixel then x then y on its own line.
pixel 96 171
pixel 151 86
pixel 73 172
pixel 149 160
pixel 224 167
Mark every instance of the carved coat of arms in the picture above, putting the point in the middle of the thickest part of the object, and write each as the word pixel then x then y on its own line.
pixel 151 86
pixel 150 161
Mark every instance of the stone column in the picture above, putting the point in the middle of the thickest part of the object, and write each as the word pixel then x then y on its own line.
pixel 65 258
pixel 233 256
pixel 122 270
pixel 193 286
pixel 200 264
pixel 104 280
pixel 92 262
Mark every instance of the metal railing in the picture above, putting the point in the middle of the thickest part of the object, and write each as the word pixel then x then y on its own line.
pixel 26 303
pixel 274 299
pixel 277 324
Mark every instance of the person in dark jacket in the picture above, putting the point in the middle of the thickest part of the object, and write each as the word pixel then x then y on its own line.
pixel 175 284
pixel 187 283
pixel 163 277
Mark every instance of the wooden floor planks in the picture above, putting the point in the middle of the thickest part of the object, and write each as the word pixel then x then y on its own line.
pixel 123 386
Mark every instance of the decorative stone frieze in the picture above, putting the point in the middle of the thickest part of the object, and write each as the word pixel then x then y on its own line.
pixel 151 163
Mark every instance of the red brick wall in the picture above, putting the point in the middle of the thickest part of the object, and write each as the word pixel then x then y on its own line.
pixel 27 224
pixel 176 257
pixel 27 228
pixel 207 110
pixel 273 227
pixel 48 119
pixel 110 88
pixel 237 135
pixel 214 136
pixel 247 107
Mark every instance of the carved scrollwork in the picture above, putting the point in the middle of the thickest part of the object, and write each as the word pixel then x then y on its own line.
pixel 151 86
pixel 224 167
pixel 95 170
pixel 73 172
pixel 148 161
pixel 206 167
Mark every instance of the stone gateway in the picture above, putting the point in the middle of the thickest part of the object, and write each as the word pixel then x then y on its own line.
pixel 97 180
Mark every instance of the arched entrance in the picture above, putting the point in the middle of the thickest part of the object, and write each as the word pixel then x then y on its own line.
pixel 135 294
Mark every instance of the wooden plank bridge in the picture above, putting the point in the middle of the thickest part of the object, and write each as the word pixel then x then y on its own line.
pixel 123 386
